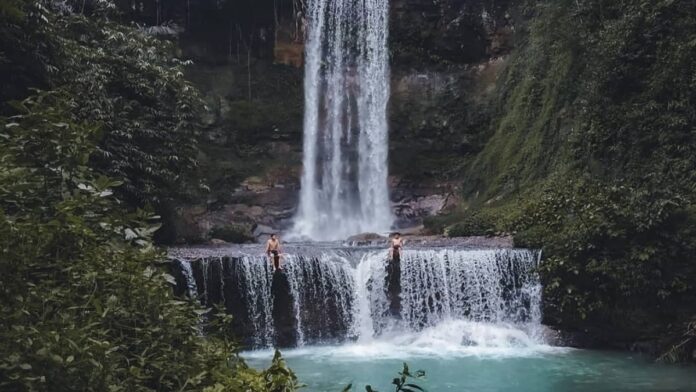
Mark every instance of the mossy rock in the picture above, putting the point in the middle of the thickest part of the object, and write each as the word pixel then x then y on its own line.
pixel 237 234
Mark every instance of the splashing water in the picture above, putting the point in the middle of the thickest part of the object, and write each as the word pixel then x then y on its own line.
pixel 451 300
pixel 344 183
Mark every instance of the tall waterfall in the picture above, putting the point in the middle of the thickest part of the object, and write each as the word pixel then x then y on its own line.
pixel 477 297
pixel 344 183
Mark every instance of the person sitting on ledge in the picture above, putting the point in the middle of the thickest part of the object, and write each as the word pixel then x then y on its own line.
pixel 396 244
pixel 273 248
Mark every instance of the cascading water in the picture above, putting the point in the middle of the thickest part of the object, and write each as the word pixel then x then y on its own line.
pixel 478 298
pixel 321 285
pixel 255 286
pixel 481 286
pixel 344 183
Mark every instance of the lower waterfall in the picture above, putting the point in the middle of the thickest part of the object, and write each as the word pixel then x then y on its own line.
pixel 475 297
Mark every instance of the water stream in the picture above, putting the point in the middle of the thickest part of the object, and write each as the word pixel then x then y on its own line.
pixel 344 182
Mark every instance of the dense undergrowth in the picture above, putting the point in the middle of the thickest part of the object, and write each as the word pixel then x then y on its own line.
pixel 592 158
pixel 128 83
pixel 85 300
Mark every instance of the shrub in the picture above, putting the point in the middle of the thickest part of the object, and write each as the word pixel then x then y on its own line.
pixel 126 81
pixel 84 302
pixel 474 223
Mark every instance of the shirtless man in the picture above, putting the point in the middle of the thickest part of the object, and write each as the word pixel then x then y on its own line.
pixel 273 248
pixel 395 249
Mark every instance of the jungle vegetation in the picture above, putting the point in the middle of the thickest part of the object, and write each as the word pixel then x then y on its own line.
pixel 591 156
pixel 98 125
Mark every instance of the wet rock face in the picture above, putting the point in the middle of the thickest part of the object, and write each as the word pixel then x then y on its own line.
pixel 449 31
pixel 392 283
pixel 257 208
pixel 285 323
pixel 414 201
pixel 366 239
pixel 446 59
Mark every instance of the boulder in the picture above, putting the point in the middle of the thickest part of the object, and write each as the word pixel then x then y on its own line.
pixel 263 231
pixel 366 239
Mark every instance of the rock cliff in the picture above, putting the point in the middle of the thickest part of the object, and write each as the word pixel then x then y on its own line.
pixel 446 56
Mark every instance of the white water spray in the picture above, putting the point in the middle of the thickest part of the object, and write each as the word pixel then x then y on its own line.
pixel 451 300
pixel 344 183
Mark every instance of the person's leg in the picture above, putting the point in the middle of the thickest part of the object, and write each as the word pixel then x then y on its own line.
pixel 271 258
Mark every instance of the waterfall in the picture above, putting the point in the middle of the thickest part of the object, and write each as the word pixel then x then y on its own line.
pixel 344 183
pixel 478 297
pixel 254 283
pixel 321 285
pixel 484 287
pixel 187 275
pixel 370 296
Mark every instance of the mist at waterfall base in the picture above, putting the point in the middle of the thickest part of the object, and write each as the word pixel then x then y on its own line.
pixel 344 183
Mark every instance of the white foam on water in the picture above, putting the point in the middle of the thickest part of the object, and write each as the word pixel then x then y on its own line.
pixel 447 340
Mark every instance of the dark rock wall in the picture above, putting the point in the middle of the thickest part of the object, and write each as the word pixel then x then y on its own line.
pixel 449 32
pixel 446 57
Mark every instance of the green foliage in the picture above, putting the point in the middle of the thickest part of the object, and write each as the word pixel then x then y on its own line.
pixel 277 378
pixel 403 383
pixel 601 88
pixel 535 99
pixel 436 224
pixel 595 150
pixel 610 245
pixel 474 223
pixel 22 54
pixel 84 302
pixel 11 10
pixel 122 79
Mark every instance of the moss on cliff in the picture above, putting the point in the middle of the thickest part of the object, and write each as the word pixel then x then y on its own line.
pixel 534 114
pixel 592 158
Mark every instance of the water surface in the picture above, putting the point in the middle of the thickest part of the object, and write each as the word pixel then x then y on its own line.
pixel 524 369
